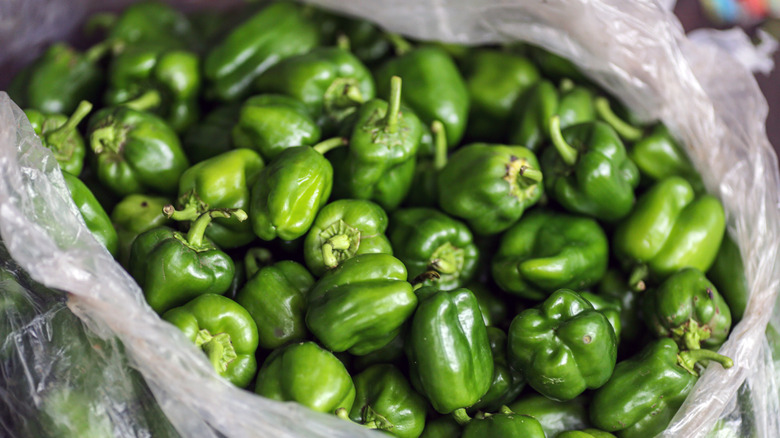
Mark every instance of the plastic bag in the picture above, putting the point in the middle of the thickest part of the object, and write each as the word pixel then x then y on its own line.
pixel 636 50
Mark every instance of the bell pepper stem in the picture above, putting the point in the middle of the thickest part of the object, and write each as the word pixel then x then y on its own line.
pixel 636 280
pixel 148 100
pixel 626 131
pixel 393 105
pixel 343 414
pixel 688 359
pixel 94 53
pixel 399 43
pixel 505 410
pixel 343 43
pixel 100 21
pixel 420 280
pixel 104 138
pixel 440 143
pixel 72 123
pixel 220 351
pixel 530 173
pixel 198 228
pixel 447 259
pixel 189 213
pixel 324 146
pixel 461 417
pixel 256 259
pixel 567 153
pixel 566 85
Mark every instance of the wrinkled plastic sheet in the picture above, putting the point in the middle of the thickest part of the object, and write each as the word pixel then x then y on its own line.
pixel 636 50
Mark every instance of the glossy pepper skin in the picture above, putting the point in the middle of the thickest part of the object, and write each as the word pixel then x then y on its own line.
pixel 361 305
pixel 223 181
pixel 688 308
pixel 307 374
pixel 645 391
pixel 504 423
pixel 728 274
pixel 152 22
pixel 657 155
pixel 433 88
pixel 92 212
pixel 609 307
pixel 379 163
pixel 495 80
pixel 670 229
pixel 275 296
pixel 507 383
pixel 563 346
pixel 60 134
pixel 212 135
pixel 136 152
pixel 133 215
pixel 271 123
pixel 489 186
pixel 546 251
pixel 172 267
pixel 554 416
pixel 224 330
pixel 425 239
pixel 344 229
pixel 301 174
pixel 450 361
pixel 588 172
pixel 276 32
pixel 386 401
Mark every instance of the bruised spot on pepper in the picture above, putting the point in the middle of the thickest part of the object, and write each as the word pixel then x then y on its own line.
pixel 587 339
pixel 710 294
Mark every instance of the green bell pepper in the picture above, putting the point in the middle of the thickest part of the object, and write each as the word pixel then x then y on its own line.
pixel 728 274
pixel 490 186
pixel 688 308
pixel 553 65
pixel 361 305
pixel 281 30
pixel 152 22
pixel 443 427
pixel 290 191
pixel 275 296
pixel 60 134
pixel 588 172
pixel 366 41
pixel 493 308
pixel 427 168
pixel 307 374
pixel 613 286
pixel 507 383
pixel 212 135
pixel 670 229
pixel 657 155
pixel 645 391
pixel 95 217
pixel 392 353
pixel 425 239
pixel 505 423
pixel 585 433
pixel 555 417
pixel 219 182
pixel 132 216
pixel 172 267
pixel 386 401
pixel 224 330
pixel 447 345
pixel 563 346
pixel 271 123
pixel 135 151
pixel 609 307
pixel 342 230
pixel 546 251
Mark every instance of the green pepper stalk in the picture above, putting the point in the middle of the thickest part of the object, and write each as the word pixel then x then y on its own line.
pixel 625 130
pixel 60 134
pixel 256 259
pixel 426 172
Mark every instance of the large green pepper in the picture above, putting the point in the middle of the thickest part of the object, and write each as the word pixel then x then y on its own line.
pixel 342 230
pixel 448 350
pixel 95 217
pixel 505 423
pixel 554 416
pixel 290 191
pixel 212 135
pixel 307 374
pixel 546 251
pixel 132 216
pixel 223 181
pixel 507 383
pixel 645 391
pixel 275 296
pixel 688 308
pixel 428 240
pixel 271 123
pixel 588 172
pixel 60 134
pixel 433 87
pixel 386 401
pixel 224 330
pixel 281 30
pixel 563 346
pixel 613 286
pixel 728 274
pixel 136 152
pixel 495 80
pixel 173 268
pixel 490 186
pixel 152 22
pixel 361 305
pixel 670 229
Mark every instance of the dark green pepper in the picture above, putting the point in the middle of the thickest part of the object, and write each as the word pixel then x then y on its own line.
pixel 172 267
pixel 271 123
pixel 443 427
pixel 554 416
pixel 448 350
pixel 392 353
pixel 688 308
pixel 342 230
pixel 493 308
pixel 563 346
pixel 136 152
pixel 728 274
pixel 428 240
pixel 212 135
pixel 366 41
pixel 425 191
pixel 307 374
pixel 490 186
pixel 546 251
pixel 614 286
pixel 361 305
pixel 152 22
pixel 281 30
pixel 645 391
pixel 553 65
pixel 132 216
pixel 60 134
pixel 507 383
pixel 92 212
pixel 505 423
pixel 224 330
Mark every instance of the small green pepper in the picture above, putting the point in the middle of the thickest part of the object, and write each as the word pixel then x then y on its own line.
pixel 152 22
pixel 132 216
pixel 505 423
pixel 728 274
pixel 60 134
pixel 585 433
pixel 212 135
pixel 657 155
pixel 554 416
pixel 224 330
pixel 507 383
pixel 95 217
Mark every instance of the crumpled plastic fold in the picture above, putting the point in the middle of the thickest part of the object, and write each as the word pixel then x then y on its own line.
pixel 635 50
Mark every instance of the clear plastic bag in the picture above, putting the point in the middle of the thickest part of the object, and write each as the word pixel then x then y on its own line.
pixel 636 50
